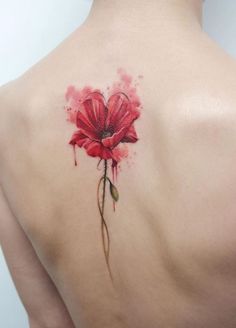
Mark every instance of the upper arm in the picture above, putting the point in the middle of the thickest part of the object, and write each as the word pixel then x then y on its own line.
pixel 36 289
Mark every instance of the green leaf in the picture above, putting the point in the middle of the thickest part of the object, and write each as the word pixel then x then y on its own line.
pixel 114 192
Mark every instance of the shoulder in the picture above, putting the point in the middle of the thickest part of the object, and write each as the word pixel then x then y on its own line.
pixel 201 122
pixel 7 110
pixel 202 143
pixel 206 108
pixel 14 121
pixel 12 102
pixel 19 101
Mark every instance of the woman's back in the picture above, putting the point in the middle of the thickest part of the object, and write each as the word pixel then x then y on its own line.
pixel 171 235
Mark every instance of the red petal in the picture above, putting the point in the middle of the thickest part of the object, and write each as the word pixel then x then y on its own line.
pixel 131 135
pixel 96 111
pixel 117 108
pixel 115 139
pixel 79 139
pixel 96 149
pixel 119 113
pixel 91 115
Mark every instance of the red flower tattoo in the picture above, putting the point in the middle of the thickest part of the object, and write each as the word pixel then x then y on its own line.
pixel 102 127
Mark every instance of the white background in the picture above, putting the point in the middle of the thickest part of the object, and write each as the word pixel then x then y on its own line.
pixel 29 29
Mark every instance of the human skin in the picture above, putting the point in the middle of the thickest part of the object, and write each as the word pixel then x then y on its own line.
pixel 172 235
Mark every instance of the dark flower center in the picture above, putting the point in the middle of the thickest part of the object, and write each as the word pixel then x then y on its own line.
pixel 106 134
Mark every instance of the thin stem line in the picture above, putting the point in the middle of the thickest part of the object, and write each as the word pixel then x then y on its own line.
pixel 104 228
pixel 104 186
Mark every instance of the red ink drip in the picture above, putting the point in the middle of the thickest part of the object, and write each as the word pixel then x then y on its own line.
pixel 75 160
pixel 113 169
pixel 116 173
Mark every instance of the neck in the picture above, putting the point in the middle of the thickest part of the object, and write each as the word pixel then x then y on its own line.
pixel 141 14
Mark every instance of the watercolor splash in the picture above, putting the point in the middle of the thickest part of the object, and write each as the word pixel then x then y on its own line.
pixel 127 85
pixel 124 85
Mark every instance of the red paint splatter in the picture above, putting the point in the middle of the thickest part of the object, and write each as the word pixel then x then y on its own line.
pixel 76 97
pixel 125 85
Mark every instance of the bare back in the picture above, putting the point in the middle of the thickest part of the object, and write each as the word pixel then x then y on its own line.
pixel 171 236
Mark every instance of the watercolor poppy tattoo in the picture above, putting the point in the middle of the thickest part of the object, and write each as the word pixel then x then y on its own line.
pixel 104 125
